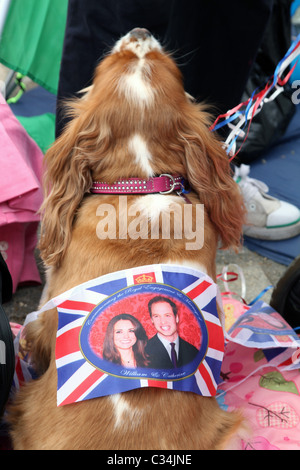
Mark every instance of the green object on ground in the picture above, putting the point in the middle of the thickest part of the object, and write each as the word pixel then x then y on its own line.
pixel 32 39
pixel 40 128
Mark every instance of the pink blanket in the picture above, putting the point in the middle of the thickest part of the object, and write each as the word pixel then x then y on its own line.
pixel 263 382
pixel 20 197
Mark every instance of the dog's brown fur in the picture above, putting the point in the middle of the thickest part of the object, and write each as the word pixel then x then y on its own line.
pixel 94 147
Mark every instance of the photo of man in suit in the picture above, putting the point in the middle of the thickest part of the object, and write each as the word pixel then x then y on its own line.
pixel 166 350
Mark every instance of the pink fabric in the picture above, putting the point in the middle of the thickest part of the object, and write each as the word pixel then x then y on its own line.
pixel 265 390
pixel 20 197
pixel 269 399
pixel 15 328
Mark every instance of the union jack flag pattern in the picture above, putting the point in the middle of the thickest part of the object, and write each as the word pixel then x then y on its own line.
pixel 264 328
pixel 84 314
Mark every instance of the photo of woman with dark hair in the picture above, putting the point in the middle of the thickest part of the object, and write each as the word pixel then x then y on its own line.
pixel 125 341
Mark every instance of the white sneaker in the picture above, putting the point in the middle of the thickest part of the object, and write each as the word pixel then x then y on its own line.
pixel 268 218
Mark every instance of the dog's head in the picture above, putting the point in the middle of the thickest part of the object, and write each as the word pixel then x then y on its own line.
pixel 136 120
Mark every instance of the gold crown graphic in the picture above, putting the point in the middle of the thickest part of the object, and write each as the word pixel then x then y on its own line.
pixel 144 278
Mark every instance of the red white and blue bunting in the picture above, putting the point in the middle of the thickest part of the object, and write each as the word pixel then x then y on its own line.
pixel 239 118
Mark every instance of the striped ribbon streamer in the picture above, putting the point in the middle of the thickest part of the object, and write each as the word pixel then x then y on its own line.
pixel 239 118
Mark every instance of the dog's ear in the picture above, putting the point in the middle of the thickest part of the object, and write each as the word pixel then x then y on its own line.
pixel 209 173
pixel 69 165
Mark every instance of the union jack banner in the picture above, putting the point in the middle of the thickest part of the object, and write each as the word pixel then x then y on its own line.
pixel 264 328
pixel 84 315
pixel 260 338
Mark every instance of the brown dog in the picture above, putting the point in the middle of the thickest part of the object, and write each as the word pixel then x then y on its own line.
pixel 134 121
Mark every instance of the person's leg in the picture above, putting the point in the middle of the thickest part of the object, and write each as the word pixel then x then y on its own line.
pixel 215 44
pixel 286 295
pixel 92 28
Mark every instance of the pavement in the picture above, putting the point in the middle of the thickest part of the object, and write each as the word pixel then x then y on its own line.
pixel 259 273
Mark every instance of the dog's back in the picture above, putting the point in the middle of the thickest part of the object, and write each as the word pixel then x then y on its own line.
pixel 135 121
